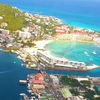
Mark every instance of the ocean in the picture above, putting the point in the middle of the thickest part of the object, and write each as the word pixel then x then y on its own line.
pixel 10 74
pixel 80 13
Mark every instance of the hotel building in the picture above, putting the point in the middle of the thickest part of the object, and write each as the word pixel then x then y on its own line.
pixel 59 62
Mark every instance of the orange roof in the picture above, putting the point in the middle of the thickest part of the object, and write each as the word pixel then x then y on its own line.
pixel 39 75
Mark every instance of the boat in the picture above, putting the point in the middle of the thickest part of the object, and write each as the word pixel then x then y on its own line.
pixel 94 52
pixel 85 53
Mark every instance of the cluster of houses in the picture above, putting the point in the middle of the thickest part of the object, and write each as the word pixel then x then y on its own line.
pixel 5 37
pixel 37 87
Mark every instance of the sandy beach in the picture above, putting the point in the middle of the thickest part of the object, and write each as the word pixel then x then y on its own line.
pixel 41 44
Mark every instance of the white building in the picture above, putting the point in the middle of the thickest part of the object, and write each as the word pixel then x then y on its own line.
pixel 1 17
pixel 24 34
pixel 60 62
pixel 54 79
pixel 96 40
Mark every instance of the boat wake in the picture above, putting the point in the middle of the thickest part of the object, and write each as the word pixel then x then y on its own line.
pixel 3 72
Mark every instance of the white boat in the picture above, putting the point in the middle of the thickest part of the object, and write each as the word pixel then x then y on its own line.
pixel 85 53
pixel 94 52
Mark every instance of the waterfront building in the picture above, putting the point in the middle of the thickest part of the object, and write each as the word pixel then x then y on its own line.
pixel 60 62
pixel 77 29
pixel 35 81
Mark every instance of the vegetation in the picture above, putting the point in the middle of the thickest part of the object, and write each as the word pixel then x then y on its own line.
pixel 12 16
pixel 70 81
pixel 76 93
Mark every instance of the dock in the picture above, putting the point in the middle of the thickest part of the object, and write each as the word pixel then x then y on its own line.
pixel 22 81
pixel 24 97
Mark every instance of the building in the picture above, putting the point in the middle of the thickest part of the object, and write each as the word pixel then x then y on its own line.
pixel 79 33
pixel 39 76
pixel 54 79
pixel 74 98
pixel 65 93
pixel 24 34
pixel 60 62
pixel 36 86
pixel 1 17
pixel 35 81
pixel 77 29
pixel 82 79
pixel 3 25
pixel 61 30
pixel 96 40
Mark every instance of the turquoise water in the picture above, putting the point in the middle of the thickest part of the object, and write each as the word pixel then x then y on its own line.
pixel 82 13
pixel 75 51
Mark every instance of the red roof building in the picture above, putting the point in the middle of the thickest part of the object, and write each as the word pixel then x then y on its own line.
pixel 4 34
pixel 39 76
pixel 62 29
pixel 80 33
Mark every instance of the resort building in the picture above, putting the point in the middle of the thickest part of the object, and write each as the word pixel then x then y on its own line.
pixel 59 62
pixel 24 34
pixel 62 29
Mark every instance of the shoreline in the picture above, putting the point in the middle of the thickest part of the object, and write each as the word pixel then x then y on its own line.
pixel 63 20
pixel 89 67
pixel 40 45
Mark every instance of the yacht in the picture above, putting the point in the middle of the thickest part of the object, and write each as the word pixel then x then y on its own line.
pixel 94 52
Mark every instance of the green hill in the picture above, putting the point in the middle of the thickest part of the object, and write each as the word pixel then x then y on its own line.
pixel 12 16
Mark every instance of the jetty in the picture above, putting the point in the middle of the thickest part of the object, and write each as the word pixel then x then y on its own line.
pixel 22 81
pixel 24 97
pixel 4 50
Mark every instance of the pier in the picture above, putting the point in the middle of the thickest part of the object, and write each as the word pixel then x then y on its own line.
pixel 22 81
pixel 24 97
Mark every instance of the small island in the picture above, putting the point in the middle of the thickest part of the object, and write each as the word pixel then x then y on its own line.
pixel 27 34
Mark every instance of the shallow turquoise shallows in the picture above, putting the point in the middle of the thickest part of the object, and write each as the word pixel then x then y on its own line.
pixel 77 51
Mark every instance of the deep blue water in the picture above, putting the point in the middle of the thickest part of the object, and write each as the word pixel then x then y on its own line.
pixel 10 74
pixel 83 13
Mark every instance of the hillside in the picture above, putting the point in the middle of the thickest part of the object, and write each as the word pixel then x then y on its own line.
pixel 12 16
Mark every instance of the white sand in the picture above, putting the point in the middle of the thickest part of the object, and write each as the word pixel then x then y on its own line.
pixel 41 44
